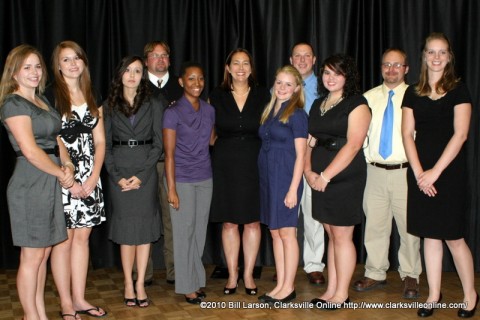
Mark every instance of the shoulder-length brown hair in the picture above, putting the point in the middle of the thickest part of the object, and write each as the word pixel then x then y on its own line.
pixel 63 102
pixel 14 62
pixel 227 77
pixel 297 100
pixel 448 81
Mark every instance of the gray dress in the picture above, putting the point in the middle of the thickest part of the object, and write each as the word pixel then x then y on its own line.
pixel 34 197
pixel 135 218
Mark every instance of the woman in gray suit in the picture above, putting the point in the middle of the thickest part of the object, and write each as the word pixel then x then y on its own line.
pixel 133 124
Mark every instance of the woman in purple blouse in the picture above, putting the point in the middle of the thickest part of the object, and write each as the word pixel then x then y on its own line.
pixel 187 133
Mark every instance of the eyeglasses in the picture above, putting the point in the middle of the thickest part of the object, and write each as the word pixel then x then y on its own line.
pixel 159 56
pixel 396 65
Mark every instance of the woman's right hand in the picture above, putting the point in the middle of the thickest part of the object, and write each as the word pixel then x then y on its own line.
pixel 66 179
pixel 77 191
pixel 173 199
pixel 311 178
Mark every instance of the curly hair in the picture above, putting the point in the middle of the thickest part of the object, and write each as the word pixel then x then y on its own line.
pixel 63 101
pixel 14 62
pixel 448 81
pixel 297 100
pixel 227 77
pixel 116 100
pixel 345 65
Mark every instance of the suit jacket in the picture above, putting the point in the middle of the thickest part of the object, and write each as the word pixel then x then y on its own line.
pixel 171 91
pixel 139 161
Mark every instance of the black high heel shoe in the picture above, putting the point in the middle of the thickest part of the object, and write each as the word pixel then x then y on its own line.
pixel 427 312
pixel 462 313
pixel 196 300
pixel 228 291
pixel 251 292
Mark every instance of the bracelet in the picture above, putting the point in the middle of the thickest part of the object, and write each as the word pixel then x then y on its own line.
pixel 69 163
pixel 323 177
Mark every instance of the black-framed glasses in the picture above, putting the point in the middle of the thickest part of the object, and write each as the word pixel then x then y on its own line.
pixel 396 65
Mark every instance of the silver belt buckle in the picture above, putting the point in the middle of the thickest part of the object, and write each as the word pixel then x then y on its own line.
pixel 132 143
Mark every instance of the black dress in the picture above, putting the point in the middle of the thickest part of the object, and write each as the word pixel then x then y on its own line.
pixel 236 194
pixel 341 203
pixel 442 216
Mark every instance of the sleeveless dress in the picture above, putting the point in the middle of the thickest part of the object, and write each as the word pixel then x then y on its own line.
pixel 236 190
pixel 442 216
pixel 276 162
pixel 77 136
pixel 341 203
pixel 34 196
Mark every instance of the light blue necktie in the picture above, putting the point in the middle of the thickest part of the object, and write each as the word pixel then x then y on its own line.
pixel 386 136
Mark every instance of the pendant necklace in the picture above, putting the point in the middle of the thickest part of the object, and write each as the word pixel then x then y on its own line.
pixel 323 106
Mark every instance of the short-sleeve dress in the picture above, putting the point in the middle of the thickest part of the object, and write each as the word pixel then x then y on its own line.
pixel 34 197
pixel 442 216
pixel 275 163
pixel 341 203
pixel 77 136
pixel 236 194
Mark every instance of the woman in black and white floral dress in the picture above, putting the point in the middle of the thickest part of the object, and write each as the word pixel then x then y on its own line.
pixel 84 136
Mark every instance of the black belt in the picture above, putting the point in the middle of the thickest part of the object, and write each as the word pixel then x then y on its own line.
pixel 55 151
pixel 331 144
pixel 390 166
pixel 132 143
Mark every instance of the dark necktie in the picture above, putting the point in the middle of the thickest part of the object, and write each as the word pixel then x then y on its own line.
pixel 159 83
pixel 386 135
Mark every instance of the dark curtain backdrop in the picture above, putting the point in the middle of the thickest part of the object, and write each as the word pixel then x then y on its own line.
pixel 206 30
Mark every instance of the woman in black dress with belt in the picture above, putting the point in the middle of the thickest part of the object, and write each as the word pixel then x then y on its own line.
pixel 336 170
pixel 238 104
pixel 435 124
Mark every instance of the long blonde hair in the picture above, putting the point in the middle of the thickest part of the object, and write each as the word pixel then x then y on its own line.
pixel 14 62
pixel 448 81
pixel 297 100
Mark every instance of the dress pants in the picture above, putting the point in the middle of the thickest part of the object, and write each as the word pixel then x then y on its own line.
pixel 385 198
pixel 189 225
pixel 314 239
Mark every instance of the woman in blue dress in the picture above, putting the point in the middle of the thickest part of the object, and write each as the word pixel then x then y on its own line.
pixel 283 132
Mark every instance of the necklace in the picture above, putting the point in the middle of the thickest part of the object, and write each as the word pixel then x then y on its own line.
pixel 241 94
pixel 323 106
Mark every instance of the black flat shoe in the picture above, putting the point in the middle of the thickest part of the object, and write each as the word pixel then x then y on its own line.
pixel 427 312
pixel 251 292
pixel 288 298
pixel 332 306
pixel 196 300
pixel 462 313
pixel 318 303
pixel 265 298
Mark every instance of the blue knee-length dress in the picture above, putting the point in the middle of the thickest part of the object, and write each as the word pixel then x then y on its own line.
pixel 276 162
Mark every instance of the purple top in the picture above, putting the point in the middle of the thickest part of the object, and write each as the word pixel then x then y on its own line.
pixel 193 128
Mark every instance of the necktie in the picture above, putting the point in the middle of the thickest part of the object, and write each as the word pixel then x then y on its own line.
pixel 159 83
pixel 386 135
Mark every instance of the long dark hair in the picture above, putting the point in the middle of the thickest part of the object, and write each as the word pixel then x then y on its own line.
pixel 63 101
pixel 227 77
pixel 116 100
pixel 345 65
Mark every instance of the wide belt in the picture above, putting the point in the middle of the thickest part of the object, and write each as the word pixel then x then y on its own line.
pixel 132 143
pixel 390 166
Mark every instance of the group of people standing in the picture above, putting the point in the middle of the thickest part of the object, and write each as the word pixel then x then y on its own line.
pixel 311 146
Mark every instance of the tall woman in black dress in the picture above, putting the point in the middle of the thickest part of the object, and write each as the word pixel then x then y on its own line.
pixel 238 104
pixel 335 167
pixel 435 124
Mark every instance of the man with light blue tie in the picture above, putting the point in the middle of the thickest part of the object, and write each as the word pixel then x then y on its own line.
pixel 303 59
pixel 385 196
